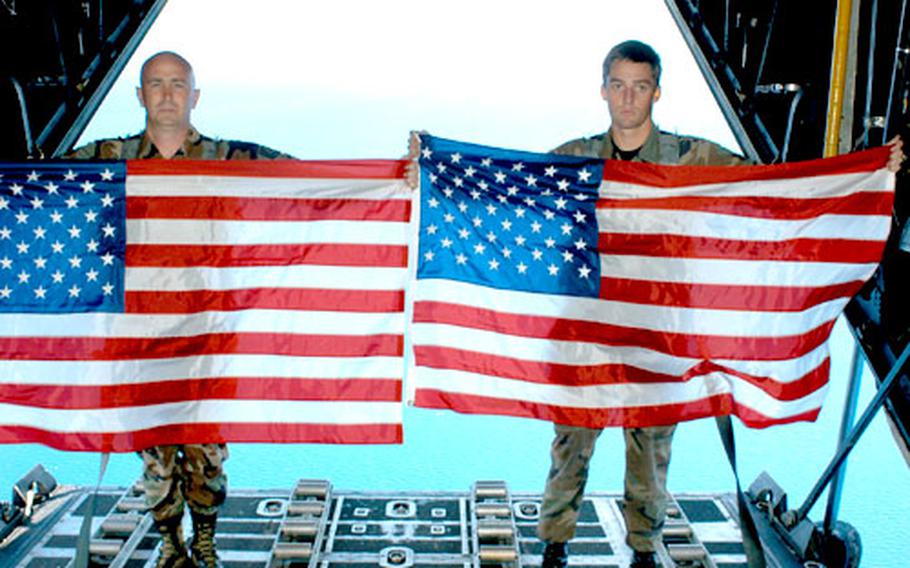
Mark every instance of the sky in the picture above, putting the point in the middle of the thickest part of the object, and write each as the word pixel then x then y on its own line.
pixel 346 79
pixel 343 79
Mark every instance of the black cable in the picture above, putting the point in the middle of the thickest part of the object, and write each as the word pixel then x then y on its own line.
pixel 897 51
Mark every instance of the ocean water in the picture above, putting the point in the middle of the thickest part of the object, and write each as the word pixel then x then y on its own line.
pixel 448 451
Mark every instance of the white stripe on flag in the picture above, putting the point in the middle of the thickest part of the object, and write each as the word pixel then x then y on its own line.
pixel 732 323
pixel 231 278
pixel 180 232
pixel 135 371
pixel 580 353
pixel 737 227
pixel 624 395
pixel 128 419
pixel 732 272
pixel 274 187
pixel 813 187
pixel 184 325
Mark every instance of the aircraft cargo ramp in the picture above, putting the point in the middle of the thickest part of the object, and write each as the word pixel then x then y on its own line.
pixel 315 525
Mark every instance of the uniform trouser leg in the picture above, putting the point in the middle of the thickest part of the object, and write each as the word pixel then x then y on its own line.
pixel 645 498
pixel 571 454
pixel 161 480
pixel 174 475
pixel 205 483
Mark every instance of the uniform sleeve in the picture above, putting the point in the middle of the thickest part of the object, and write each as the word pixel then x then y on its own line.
pixel 266 153
pixel 565 148
pixel 250 151
pixel 111 149
pixel 582 147
pixel 698 152
pixel 86 152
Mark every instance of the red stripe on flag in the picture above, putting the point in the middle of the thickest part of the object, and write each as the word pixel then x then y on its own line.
pixel 206 434
pixel 629 417
pixel 72 397
pixel 637 173
pixel 607 374
pixel 313 299
pixel 540 372
pixel 318 169
pixel 789 391
pixel 267 255
pixel 796 250
pixel 722 296
pixel 126 348
pixel 679 344
pixel 266 209
pixel 866 203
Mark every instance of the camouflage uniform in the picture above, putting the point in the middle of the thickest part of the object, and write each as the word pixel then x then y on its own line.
pixel 190 473
pixel 660 148
pixel 195 147
pixel 647 449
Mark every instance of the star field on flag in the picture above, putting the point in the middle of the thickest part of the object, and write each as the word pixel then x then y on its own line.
pixel 507 219
pixel 62 237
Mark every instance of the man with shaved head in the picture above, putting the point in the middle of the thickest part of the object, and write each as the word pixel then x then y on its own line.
pixel 167 91
pixel 187 473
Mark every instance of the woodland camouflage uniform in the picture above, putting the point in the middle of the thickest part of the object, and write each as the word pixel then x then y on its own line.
pixel 192 473
pixel 647 449
pixel 195 147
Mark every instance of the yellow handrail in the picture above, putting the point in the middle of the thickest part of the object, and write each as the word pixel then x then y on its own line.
pixel 838 77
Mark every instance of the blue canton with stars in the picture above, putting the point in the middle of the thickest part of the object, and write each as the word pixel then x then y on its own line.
pixel 62 237
pixel 509 219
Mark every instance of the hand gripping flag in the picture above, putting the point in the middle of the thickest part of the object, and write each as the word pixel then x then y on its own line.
pixel 611 293
pixel 170 302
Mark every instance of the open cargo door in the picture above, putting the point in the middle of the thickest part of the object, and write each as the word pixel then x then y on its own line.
pixel 770 71
pixel 60 58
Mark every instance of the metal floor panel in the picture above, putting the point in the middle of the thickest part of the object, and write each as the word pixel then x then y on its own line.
pixel 313 525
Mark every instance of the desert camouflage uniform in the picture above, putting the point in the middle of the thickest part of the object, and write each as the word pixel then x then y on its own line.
pixel 195 147
pixel 647 449
pixel 660 148
pixel 191 473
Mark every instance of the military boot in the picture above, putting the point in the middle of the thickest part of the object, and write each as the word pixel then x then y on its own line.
pixel 642 559
pixel 203 545
pixel 555 555
pixel 173 553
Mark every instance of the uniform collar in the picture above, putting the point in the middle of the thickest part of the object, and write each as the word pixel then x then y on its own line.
pixel 650 150
pixel 147 148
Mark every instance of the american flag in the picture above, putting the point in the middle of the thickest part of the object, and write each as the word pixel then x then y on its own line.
pixel 162 302
pixel 612 293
